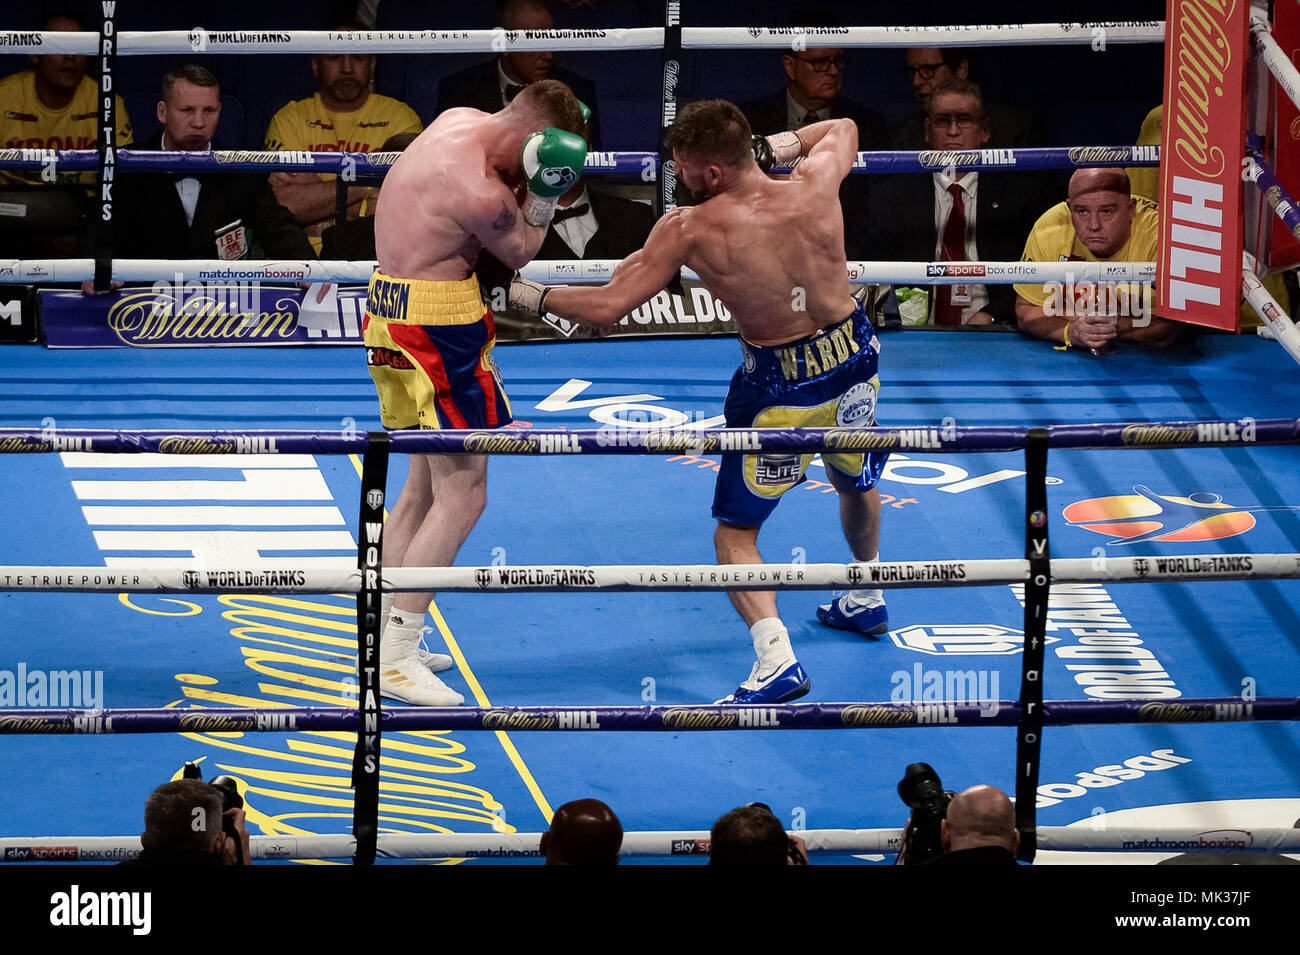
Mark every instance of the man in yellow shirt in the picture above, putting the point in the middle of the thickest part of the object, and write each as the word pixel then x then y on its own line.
pixel 54 105
pixel 1100 221
pixel 342 116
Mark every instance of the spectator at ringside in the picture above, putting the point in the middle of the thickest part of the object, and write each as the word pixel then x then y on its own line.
pixel 979 829
pixel 199 215
pixel 753 836
pixel 183 827
pixel 490 85
pixel 53 105
pixel 343 115
pixel 1100 221
pixel 583 832
pixel 950 215
pixel 928 68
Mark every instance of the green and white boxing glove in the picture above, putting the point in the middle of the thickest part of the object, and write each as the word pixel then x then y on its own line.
pixel 552 161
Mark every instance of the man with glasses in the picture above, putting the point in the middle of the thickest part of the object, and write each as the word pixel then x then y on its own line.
pixel 927 69
pixel 951 215
pixel 814 81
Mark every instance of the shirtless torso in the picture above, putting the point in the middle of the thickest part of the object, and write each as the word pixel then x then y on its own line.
pixel 454 191
pixel 772 249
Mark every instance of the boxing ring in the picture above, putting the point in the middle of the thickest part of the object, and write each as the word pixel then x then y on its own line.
pixel 1173 565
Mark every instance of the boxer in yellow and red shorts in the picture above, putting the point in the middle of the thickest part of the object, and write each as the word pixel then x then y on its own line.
pixel 429 348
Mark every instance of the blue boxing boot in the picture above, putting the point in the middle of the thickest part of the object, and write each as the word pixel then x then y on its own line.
pixel 865 614
pixel 777 677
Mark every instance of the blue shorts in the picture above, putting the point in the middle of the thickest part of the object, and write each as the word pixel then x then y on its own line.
pixel 825 381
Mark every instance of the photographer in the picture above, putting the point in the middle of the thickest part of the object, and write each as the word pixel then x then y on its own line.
pixel 184 826
pixel 752 835
pixel 980 829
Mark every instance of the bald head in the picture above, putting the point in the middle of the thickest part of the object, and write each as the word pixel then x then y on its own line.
pixel 583 832
pixel 1085 181
pixel 980 816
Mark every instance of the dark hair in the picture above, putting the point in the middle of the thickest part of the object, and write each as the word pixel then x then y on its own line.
pixel 960 87
pixel 512 8
pixel 190 73
pixel 750 835
pixel 397 142
pixel 555 103
pixel 183 814
pixel 711 129
pixel 953 57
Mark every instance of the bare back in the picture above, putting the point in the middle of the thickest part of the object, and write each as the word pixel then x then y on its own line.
pixel 773 251
pixel 443 201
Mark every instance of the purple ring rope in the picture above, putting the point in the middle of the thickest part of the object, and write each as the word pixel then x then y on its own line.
pixel 945 439
pixel 647 718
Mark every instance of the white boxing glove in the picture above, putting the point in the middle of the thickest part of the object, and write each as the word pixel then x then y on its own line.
pixel 528 296
pixel 786 147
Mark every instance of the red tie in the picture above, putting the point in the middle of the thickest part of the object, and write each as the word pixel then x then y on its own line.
pixel 954 250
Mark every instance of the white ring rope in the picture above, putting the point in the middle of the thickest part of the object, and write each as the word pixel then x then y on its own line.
pixel 330 575
pixel 658 843
pixel 201 40
pixel 1268 309
pixel 1278 63
pixel 562 272
pixel 1009 34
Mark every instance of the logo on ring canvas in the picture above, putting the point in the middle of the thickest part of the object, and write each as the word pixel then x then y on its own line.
pixel 1146 516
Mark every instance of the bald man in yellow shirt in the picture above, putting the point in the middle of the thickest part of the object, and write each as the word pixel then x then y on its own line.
pixel 1100 221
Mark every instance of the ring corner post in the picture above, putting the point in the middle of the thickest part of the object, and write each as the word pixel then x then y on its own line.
pixel 1029 731
pixel 365 761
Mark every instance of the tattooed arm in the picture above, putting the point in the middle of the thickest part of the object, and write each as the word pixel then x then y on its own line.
pixel 495 220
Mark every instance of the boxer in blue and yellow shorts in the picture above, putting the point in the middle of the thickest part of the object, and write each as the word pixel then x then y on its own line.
pixel 827 380
pixel 429 348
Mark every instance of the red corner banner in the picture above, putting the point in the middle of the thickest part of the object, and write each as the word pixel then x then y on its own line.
pixel 1204 140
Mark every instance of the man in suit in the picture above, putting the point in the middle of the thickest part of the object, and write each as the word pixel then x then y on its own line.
pixel 814 81
pixel 199 215
pixel 953 215
pixel 928 68
pixel 490 85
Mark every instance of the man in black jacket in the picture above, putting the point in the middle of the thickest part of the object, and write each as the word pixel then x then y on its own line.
pixel 490 85
pixel 199 215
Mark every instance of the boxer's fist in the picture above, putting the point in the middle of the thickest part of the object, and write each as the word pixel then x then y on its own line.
pixel 527 296
pixel 552 162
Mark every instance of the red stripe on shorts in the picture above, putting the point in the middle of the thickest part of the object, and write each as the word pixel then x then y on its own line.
pixel 486 381
pixel 415 340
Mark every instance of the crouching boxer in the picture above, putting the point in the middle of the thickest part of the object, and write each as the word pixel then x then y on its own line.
pixel 470 181
pixel 772 250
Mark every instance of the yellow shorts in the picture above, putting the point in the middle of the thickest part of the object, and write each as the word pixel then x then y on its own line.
pixel 429 348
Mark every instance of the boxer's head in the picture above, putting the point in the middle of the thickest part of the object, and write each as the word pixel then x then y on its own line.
pixel 710 141
pixel 1102 209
